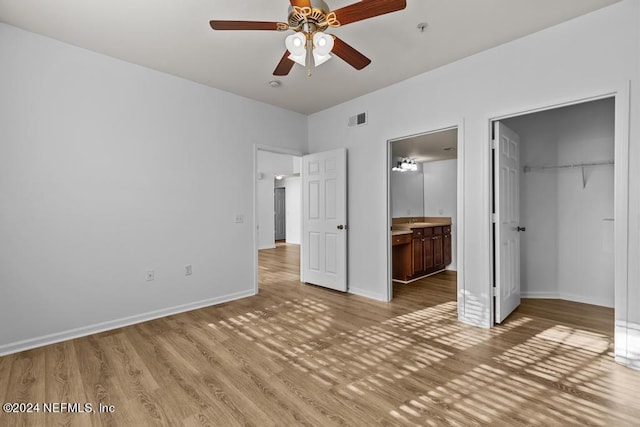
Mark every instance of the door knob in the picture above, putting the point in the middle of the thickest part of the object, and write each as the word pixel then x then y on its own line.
pixel 519 229
pixel 340 227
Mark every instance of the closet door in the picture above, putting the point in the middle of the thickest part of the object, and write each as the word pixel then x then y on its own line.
pixel 506 193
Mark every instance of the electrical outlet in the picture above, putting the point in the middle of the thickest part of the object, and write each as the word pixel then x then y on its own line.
pixel 239 219
pixel 188 270
pixel 150 275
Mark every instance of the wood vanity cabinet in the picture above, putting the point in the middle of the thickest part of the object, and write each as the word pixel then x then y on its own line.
pixel 420 251
pixel 431 250
pixel 401 256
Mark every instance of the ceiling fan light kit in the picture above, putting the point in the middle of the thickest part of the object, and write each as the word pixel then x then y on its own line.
pixel 309 19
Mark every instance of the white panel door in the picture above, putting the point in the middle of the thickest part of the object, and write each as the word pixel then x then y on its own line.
pixel 324 216
pixel 506 160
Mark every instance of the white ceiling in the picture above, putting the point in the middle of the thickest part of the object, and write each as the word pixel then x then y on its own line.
pixel 429 147
pixel 174 36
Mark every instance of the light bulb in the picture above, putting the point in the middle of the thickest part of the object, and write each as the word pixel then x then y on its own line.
pixel 296 44
pixel 323 43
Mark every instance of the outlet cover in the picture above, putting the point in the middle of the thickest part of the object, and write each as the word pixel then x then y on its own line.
pixel 188 270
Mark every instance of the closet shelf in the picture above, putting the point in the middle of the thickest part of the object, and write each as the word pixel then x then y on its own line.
pixel 571 166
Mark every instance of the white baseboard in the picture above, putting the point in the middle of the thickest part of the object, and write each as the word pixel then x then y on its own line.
pixel 540 295
pixel 627 340
pixel 586 300
pixel 631 363
pixel 569 297
pixel 368 294
pixel 118 323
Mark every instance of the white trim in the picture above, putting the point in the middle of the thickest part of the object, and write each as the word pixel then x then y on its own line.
pixel 585 299
pixel 387 166
pixel 487 171
pixel 459 125
pixel 631 363
pixel 460 222
pixel 30 343
pixel 368 294
pixel 567 297
pixel 540 295
pixel 256 248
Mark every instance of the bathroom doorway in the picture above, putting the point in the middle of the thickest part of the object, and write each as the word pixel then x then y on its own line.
pixel 423 200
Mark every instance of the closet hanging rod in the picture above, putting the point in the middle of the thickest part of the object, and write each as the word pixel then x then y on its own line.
pixel 568 166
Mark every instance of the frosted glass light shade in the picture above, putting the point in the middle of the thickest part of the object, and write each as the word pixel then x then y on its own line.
pixel 322 44
pixel 300 59
pixel 296 44
pixel 320 59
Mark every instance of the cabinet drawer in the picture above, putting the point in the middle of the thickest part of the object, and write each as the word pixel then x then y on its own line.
pixel 401 239
pixel 418 233
pixel 437 230
pixel 428 232
pixel 447 229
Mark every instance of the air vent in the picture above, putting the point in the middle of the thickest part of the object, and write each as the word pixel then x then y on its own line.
pixel 358 120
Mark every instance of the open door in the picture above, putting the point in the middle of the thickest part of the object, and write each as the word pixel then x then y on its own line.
pixel 324 216
pixel 506 163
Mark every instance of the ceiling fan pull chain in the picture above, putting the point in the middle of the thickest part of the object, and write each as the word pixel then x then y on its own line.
pixel 309 56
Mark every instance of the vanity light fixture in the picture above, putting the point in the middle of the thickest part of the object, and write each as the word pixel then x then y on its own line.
pixel 405 165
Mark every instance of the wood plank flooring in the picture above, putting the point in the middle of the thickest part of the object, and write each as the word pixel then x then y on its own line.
pixel 303 355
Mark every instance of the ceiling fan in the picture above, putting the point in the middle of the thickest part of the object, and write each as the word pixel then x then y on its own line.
pixel 309 19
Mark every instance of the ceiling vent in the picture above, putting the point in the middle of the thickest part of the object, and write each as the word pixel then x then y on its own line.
pixel 358 120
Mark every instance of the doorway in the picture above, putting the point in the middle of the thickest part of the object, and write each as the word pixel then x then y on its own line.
pixel 423 210
pixel 553 225
pixel 278 204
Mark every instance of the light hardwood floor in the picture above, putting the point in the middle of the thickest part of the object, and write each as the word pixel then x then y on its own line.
pixel 303 355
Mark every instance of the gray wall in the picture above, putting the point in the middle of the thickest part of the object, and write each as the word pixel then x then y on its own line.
pixel 107 170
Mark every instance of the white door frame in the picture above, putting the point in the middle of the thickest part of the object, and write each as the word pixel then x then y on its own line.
pixel 620 93
pixel 459 211
pixel 270 149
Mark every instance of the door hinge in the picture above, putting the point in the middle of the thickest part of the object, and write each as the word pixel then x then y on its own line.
pixel 493 218
pixel 494 144
pixel 493 292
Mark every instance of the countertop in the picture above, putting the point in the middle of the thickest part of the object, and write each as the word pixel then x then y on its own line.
pixel 412 225
pixel 400 232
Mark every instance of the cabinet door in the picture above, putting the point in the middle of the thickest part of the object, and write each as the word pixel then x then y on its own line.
pixel 417 266
pixel 447 249
pixel 438 251
pixel 428 254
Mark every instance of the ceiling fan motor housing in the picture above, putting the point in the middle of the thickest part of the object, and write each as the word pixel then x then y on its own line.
pixel 317 16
